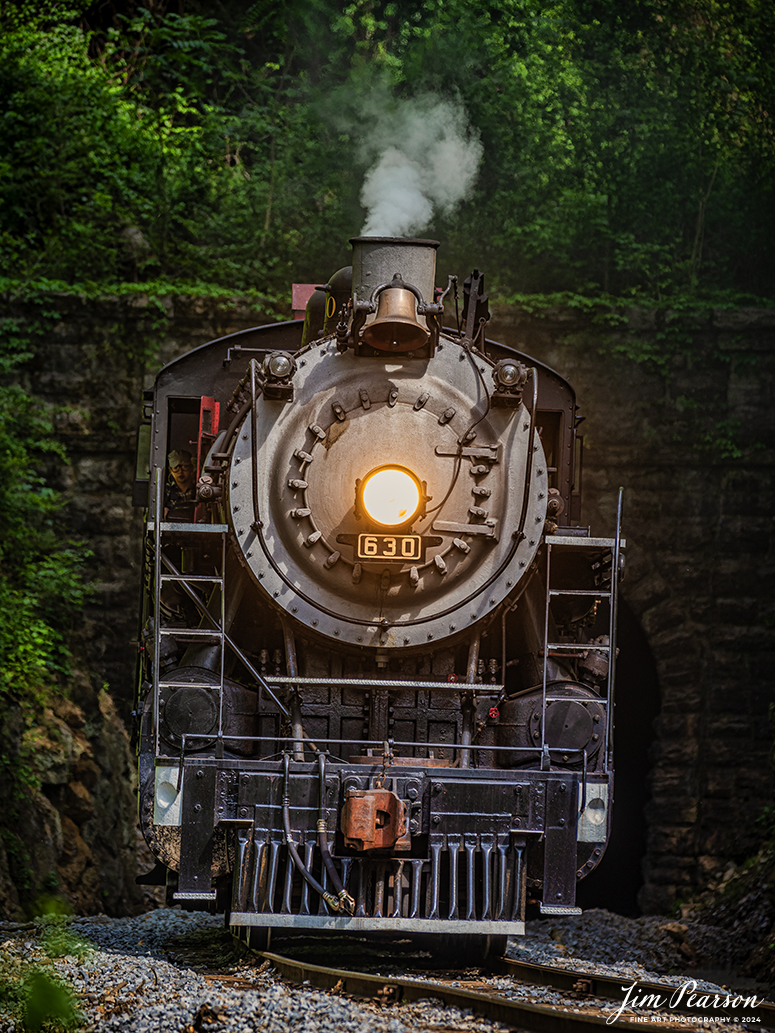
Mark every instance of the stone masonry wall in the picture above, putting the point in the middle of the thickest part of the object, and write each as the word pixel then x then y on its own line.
pixel 690 436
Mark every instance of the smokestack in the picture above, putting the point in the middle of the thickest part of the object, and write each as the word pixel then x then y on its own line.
pixel 376 260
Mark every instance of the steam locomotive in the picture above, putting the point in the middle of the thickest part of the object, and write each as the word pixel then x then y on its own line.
pixel 377 651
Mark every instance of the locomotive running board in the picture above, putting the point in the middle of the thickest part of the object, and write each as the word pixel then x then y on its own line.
pixel 347 923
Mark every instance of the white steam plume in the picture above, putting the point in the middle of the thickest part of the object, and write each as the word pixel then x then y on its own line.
pixel 426 160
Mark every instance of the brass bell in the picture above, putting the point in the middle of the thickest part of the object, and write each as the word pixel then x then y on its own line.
pixel 396 327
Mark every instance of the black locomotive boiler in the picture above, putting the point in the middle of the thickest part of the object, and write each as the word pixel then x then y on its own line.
pixel 377 650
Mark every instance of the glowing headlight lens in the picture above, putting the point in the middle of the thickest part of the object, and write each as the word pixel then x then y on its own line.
pixel 391 496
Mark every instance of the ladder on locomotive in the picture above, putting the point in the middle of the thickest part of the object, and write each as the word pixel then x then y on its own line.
pixel 190 583
pixel 559 649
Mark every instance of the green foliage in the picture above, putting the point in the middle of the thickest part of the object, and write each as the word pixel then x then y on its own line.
pixel 57 937
pixel 41 589
pixel 32 993
pixel 49 1001
pixel 628 148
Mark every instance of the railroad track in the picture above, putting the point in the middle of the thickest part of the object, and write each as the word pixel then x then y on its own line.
pixel 589 1007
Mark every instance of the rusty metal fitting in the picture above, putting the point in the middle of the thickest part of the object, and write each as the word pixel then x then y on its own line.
pixel 373 819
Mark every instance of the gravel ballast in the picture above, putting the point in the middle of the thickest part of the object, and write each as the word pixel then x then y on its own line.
pixel 134 974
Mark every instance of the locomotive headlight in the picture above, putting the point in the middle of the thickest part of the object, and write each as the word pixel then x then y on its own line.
pixel 390 495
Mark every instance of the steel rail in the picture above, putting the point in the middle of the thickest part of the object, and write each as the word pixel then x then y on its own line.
pixel 394 989
pixel 616 987
pixel 529 1016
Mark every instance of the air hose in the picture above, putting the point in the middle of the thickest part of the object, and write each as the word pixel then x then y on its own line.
pixel 346 902
pixel 331 900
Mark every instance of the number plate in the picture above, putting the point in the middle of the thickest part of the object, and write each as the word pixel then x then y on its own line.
pixel 389 547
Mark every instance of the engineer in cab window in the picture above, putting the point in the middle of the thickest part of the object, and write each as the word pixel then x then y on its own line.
pixel 180 496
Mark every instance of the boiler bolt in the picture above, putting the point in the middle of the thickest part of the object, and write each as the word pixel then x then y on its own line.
pixel 436 819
